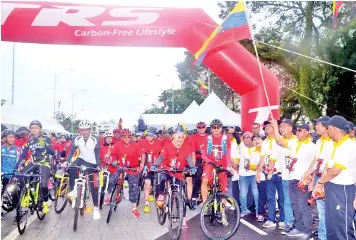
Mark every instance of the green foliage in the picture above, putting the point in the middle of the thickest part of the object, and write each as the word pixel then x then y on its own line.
pixel 66 121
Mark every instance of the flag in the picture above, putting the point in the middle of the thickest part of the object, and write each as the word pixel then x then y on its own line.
pixel 203 91
pixel 234 28
pixel 203 88
pixel 336 8
pixel 166 107
pixel 120 126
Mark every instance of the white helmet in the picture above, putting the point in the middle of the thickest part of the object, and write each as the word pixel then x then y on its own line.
pixel 108 134
pixel 84 124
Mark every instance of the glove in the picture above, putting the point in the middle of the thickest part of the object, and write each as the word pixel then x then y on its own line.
pixel 153 168
pixel 193 170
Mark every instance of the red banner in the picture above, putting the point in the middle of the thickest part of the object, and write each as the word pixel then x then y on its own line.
pixel 82 24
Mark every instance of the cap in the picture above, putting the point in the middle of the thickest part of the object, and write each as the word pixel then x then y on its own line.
pixel 338 122
pixel 351 126
pixel 303 125
pixel 266 122
pixel 321 119
pixel 248 134
pixel 287 121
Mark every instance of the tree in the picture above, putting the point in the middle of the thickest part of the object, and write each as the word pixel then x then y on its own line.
pixel 66 121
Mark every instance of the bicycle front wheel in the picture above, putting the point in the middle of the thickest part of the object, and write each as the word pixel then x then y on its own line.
pixel 22 211
pixel 175 216
pixel 217 221
pixel 61 199
pixel 76 206
pixel 102 193
pixel 39 208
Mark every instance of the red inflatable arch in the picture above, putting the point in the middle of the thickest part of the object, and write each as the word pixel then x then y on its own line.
pixel 63 23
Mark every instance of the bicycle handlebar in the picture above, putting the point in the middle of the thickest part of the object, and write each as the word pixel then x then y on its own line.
pixel 83 168
pixel 171 170
pixel 217 167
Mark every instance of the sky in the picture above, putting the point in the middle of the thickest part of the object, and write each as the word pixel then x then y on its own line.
pixel 109 78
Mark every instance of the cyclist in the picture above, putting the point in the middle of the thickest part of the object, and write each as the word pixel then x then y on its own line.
pixel 128 154
pixel 174 156
pixel 40 147
pixel 89 150
pixel 151 148
pixel 198 141
pixel 217 151
pixel 101 137
pixel 116 138
pixel 63 146
pixel 10 154
pixel 22 136
pixel 106 157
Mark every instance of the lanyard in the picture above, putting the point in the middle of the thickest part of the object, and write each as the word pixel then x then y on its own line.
pixel 300 144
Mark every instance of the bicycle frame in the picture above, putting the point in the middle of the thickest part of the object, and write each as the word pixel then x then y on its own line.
pixel 82 180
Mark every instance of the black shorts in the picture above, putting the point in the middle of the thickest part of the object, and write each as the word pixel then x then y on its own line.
pixel 150 175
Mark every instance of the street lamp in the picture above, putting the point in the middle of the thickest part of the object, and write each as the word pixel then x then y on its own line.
pixel 73 96
pixel 56 77
pixel 159 75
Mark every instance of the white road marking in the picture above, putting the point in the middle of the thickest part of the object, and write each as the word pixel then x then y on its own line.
pixel 256 229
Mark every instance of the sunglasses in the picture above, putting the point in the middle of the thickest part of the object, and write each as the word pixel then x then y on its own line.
pixel 201 127
pixel 215 127
pixel 300 130
pixel 127 137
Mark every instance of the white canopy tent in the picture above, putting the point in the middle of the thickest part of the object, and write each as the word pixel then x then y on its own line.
pixel 14 118
pixel 210 109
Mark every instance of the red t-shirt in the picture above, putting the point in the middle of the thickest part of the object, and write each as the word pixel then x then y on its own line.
pixel 101 141
pixel 198 142
pixel 116 140
pixel 217 148
pixel 175 158
pixel 60 147
pixel 105 153
pixel 152 151
pixel 128 155
pixel 165 141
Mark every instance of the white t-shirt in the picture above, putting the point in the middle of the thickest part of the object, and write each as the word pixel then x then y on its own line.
pixel 304 152
pixel 87 148
pixel 236 156
pixel 270 150
pixel 344 157
pixel 324 150
pixel 284 156
pixel 249 160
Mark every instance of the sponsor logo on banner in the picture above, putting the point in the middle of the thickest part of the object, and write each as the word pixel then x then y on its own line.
pixel 134 21
pixel 263 113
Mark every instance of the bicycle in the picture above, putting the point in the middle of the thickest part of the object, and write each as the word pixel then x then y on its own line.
pixel 31 197
pixel 213 209
pixel 117 193
pixel 62 191
pixel 10 197
pixel 104 175
pixel 81 192
pixel 174 204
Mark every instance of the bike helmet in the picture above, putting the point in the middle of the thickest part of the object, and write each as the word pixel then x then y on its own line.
pixel 108 134
pixel 216 122
pixel 35 122
pixel 179 129
pixel 152 131
pixel 84 124
pixel 201 125
pixel 9 132
pixel 169 130
pixel 126 132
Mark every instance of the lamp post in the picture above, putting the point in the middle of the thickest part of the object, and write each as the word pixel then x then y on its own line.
pixel 73 96
pixel 159 75
pixel 56 77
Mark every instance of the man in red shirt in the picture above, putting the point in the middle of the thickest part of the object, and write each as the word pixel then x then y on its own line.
pixel 63 146
pixel 151 149
pixel 216 150
pixel 198 141
pixel 174 156
pixel 128 152
pixel 166 138
pixel 117 137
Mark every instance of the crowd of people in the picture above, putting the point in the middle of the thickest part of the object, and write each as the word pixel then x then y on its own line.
pixel 286 167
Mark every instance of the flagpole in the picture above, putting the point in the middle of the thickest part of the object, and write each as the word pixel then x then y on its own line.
pixel 208 75
pixel 258 60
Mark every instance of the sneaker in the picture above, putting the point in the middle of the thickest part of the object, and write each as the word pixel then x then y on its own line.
pixel 150 198
pixel 96 213
pixel 146 209
pixel 281 226
pixel 287 229
pixel 71 195
pixel 45 208
pixel 224 221
pixel 260 218
pixel 160 201
pixel 184 225
pixel 244 214
pixel 126 184
pixel 232 208
pixel 194 204
pixel 135 213
pixel 269 224
pixel 107 199
pixel 295 233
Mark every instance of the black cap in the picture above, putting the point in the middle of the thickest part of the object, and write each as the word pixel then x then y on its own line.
pixel 287 121
pixel 266 122
pixel 351 126
pixel 303 125
pixel 321 119
pixel 338 122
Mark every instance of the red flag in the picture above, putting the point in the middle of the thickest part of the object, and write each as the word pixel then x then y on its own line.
pixel 336 8
pixel 203 91
pixel 120 125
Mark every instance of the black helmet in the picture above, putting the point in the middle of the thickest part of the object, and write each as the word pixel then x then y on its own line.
pixel 216 122
pixel 179 129
pixel 10 132
pixel 4 133
pixel 169 130
pixel 35 122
